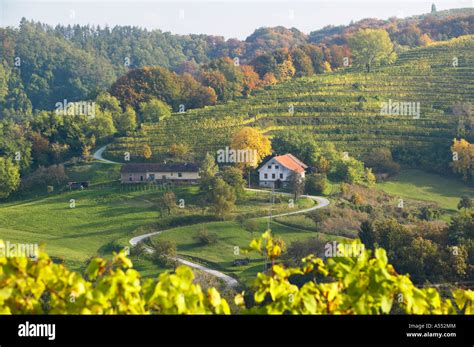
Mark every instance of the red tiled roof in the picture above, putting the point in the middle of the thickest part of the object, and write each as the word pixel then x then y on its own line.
pixel 291 162
pixel 303 165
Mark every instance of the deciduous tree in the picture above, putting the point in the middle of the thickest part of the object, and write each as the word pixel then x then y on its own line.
pixel 463 158
pixel 233 177
pixel 9 177
pixel 465 202
pixel 371 47
pixel 222 197
pixel 126 120
pixel 154 110
pixel 147 153
pixel 253 140
pixel 168 201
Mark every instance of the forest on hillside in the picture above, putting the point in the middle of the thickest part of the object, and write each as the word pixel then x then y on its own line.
pixel 42 65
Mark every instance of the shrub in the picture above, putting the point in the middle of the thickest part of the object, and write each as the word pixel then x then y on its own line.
pixel 204 237
pixel 381 161
pixel 297 250
pixel 318 216
pixel 316 184
pixel 429 214
pixel 164 253
pixel 45 176
pixel 357 199
pixel 112 246
pixel 251 225
pixel 187 220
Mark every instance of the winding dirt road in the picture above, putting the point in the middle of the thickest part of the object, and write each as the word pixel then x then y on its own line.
pixel 230 281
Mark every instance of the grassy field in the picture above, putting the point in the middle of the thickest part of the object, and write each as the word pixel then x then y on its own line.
pixel 105 216
pixel 232 239
pixel 100 217
pixel 419 185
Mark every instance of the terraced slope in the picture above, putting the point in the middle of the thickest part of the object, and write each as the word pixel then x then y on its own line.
pixel 342 107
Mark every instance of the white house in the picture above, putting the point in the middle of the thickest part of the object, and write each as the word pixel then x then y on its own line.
pixel 277 170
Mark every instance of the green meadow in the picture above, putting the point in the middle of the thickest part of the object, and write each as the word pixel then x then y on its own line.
pixel 419 185
pixel 107 215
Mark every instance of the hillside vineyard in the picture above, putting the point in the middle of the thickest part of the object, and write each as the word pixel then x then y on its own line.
pixel 342 107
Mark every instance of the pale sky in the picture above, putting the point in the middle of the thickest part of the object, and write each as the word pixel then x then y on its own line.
pixel 228 18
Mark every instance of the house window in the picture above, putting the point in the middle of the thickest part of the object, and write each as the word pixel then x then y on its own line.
pixel 152 177
pixel 141 178
pixel 180 174
pixel 277 166
pixel 130 178
pixel 269 166
pixel 273 175
pixel 171 174
pixel 265 176
pixel 281 176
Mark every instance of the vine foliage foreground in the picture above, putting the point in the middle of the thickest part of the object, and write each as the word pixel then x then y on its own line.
pixel 366 284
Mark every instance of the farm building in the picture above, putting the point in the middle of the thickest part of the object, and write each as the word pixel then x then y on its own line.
pixel 146 173
pixel 276 171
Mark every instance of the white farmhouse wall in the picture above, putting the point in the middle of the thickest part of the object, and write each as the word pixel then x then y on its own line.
pixel 273 171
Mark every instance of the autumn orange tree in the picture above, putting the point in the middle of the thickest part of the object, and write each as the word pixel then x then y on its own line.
pixel 251 79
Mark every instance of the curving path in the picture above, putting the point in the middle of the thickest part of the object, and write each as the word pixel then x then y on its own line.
pixel 230 281
pixel 98 156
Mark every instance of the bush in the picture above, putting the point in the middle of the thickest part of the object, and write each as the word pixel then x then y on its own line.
pixel 357 199
pixel 45 176
pixel 316 184
pixel 318 216
pixel 381 161
pixel 341 221
pixel 112 246
pixel 164 253
pixel 297 221
pixel 204 237
pixel 297 250
pixel 428 214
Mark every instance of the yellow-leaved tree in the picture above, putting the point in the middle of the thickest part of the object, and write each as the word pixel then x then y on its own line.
pixel 147 153
pixel 463 158
pixel 251 139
